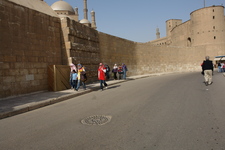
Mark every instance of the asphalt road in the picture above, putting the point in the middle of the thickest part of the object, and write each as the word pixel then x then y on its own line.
pixel 169 112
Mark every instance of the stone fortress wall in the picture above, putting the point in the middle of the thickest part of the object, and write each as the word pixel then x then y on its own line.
pixel 32 37
pixel 205 27
pixel 81 45
pixel 30 41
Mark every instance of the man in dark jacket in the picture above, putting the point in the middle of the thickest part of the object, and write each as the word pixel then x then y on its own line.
pixel 207 68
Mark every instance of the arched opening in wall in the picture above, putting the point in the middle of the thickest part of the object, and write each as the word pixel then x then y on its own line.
pixel 213 17
pixel 188 41
pixel 214 37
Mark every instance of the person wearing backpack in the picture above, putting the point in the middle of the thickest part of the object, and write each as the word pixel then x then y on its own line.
pixel 81 77
pixel 107 71
pixel 207 68
pixel 120 72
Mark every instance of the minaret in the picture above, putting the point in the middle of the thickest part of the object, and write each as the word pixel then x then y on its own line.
pixel 85 10
pixel 93 23
pixel 157 33
pixel 76 15
pixel 76 11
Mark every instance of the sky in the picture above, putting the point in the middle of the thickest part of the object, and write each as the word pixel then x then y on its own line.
pixel 137 20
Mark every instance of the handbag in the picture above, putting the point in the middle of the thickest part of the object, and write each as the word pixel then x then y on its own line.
pixel 83 76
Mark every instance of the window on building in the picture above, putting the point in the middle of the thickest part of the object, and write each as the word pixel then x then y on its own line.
pixel 213 10
pixel 214 27
pixel 214 37
pixel 213 17
pixel 188 41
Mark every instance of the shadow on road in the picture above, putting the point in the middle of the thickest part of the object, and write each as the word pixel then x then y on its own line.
pixel 112 87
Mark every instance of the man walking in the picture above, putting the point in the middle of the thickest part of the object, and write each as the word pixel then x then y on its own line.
pixel 101 76
pixel 207 68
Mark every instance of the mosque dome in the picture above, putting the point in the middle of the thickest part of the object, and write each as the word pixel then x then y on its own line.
pixel 84 21
pixel 62 5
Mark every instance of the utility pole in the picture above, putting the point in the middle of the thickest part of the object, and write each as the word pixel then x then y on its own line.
pixel 204 3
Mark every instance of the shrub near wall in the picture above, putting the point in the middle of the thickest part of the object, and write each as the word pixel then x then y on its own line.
pixel 29 42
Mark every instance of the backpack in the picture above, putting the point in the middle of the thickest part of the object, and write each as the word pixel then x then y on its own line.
pixel 83 76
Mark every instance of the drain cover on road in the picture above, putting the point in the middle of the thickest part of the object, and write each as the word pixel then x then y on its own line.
pixel 96 120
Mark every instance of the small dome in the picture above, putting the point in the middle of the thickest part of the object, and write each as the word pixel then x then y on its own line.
pixel 62 5
pixel 84 21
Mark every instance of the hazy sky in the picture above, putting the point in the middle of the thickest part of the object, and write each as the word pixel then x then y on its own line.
pixel 137 20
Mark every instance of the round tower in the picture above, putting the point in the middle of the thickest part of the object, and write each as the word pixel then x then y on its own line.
pixel 207 26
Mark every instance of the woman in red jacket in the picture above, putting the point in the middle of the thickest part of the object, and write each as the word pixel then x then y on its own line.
pixel 101 75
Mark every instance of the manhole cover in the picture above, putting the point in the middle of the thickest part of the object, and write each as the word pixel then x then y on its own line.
pixel 96 120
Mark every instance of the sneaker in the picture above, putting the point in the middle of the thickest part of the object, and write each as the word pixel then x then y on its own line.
pixel 210 83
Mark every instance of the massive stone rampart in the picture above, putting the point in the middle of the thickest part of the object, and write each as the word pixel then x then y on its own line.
pixel 30 41
pixel 81 46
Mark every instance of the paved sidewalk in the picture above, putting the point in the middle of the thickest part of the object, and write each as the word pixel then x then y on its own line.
pixel 24 103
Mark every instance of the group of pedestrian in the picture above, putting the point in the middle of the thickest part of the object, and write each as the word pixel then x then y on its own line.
pixel 104 71
pixel 77 76
pixel 121 71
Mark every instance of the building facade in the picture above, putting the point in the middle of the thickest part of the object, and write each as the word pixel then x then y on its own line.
pixel 205 27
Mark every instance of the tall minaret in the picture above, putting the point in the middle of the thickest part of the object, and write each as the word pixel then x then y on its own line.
pixel 85 10
pixel 76 15
pixel 76 11
pixel 157 33
pixel 93 23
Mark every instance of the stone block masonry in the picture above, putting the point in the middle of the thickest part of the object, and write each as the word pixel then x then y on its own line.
pixel 29 42
pixel 81 46
pixel 115 50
